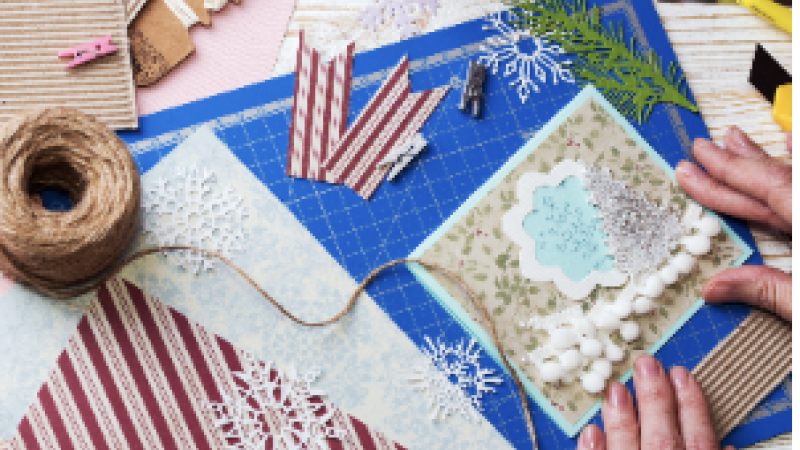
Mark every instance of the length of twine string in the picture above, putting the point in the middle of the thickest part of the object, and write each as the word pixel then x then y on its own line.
pixel 70 293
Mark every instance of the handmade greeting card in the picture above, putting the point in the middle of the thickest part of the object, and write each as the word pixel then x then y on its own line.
pixel 586 253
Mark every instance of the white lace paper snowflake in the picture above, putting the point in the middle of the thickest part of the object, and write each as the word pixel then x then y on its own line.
pixel 641 233
pixel 459 364
pixel 192 209
pixel 267 391
pixel 530 68
pixel 401 10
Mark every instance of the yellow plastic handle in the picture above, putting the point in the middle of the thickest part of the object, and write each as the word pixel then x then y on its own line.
pixel 778 14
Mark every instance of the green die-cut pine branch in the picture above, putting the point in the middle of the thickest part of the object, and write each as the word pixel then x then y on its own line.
pixel 634 82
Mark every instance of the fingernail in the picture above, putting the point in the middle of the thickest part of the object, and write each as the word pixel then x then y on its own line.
pixel 680 377
pixel 590 438
pixel 687 170
pixel 647 366
pixel 617 395
pixel 719 292
pixel 736 136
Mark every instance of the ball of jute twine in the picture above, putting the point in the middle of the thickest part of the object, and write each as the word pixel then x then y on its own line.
pixel 64 149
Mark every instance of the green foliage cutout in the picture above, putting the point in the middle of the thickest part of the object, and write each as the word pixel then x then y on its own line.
pixel 633 81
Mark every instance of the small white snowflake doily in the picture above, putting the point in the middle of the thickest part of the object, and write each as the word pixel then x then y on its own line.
pixel 306 421
pixel 401 10
pixel 191 209
pixel 454 380
pixel 545 62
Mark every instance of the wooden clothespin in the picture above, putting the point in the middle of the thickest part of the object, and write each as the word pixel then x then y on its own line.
pixel 84 53
pixel 401 155
pixel 473 88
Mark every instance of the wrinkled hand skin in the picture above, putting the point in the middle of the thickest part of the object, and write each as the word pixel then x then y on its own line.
pixel 741 180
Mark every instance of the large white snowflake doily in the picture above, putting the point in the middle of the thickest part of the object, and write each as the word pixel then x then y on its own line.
pixel 192 209
pixel 454 380
pixel 530 68
pixel 305 422
pixel 401 10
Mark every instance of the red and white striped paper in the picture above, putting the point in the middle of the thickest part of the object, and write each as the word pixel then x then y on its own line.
pixel 392 117
pixel 319 116
pixel 139 375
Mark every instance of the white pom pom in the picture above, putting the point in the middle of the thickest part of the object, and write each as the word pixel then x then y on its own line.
pixel 585 327
pixel 653 287
pixel 614 353
pixel 629 331
pixel 643 305
pixel 551 371
pixel 622 309
pixel 708 226
pixel 697 245
pixel 591 348
pixel 606 320
pixel 602 367
pixel 669 275
pixel 593 383
pixel 562 339
pixel 683 263
pixel 570 360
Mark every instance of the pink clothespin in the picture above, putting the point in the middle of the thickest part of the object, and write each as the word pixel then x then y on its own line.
pixel 84 53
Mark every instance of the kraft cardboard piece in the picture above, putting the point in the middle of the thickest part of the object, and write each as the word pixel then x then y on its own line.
pixel 160 40
pixel 33 32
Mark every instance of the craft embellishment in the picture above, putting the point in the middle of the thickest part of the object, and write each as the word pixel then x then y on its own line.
pixel 402 155
pixel 84 53
pixel 559 237
pixel 319 115
pixel 264 390
pixel 454 381
pixel 543 64
pixel 552 244
pixel 401 11
pixel 472 94
pixel 393 116
pixel 632 80
pixel 192 209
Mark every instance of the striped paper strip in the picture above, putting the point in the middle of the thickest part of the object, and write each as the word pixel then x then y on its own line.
pixel 138 374
pixel 33 32
pixel 744 368
pixel 319 116
pixel 392 117
pixel 132 8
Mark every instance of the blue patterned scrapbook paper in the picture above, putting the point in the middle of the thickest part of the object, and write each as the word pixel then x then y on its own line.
pixel 463 153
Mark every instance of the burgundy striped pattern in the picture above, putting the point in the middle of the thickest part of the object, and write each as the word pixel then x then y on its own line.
pixel 139 375
pixel 392 117
pixel 319 116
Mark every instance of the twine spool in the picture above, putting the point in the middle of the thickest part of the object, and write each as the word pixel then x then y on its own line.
pixel 64 149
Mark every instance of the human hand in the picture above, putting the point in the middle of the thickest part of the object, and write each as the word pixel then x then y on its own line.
pixel 673 413
pixel 744 181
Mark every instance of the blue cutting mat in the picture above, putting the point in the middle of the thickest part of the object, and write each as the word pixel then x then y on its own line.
pixel 463 153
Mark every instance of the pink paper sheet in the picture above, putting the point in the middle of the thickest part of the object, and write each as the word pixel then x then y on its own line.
pixel 239 48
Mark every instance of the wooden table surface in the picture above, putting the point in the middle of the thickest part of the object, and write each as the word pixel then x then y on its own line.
pixel 714 43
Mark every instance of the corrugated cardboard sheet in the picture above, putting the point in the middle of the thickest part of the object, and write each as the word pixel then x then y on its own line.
pixel 745 367
pixel 33 32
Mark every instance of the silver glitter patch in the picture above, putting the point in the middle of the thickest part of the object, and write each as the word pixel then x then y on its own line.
pixel 641 233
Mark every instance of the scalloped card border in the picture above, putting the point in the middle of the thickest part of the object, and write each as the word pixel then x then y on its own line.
pixel 528 264
pixel 444 298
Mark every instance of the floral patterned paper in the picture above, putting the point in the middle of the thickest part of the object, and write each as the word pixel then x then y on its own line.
pixel 476 248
